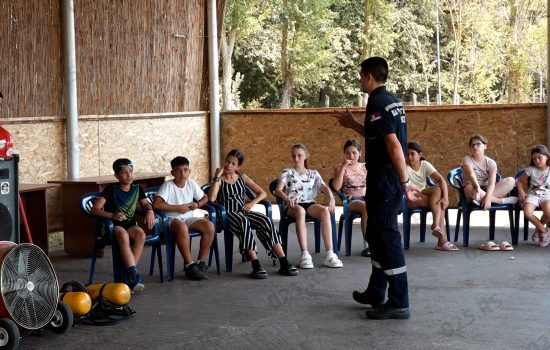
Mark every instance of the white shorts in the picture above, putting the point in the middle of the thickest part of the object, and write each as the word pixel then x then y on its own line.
pixel 187 221
pixel 536 200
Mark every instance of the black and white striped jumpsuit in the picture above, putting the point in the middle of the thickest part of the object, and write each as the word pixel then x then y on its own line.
pixel 241 224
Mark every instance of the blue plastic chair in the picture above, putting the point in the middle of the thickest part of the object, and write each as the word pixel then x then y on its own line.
pixel 171 243
pixel 223 225
pixel 86 203
pixel 517 210
pixel 455 180
pixel 287 220
pixel 346 220
pixel 408 212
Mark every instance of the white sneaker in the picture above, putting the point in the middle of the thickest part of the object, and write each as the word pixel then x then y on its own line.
pixel 306 262
pixel 332 260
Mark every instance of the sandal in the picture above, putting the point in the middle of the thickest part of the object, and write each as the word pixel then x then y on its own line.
pixel 447 247
pixel 536 236
pixel 258 274
pixel 288 270
pixel 489 246
pixel 505 246
pixel 544 239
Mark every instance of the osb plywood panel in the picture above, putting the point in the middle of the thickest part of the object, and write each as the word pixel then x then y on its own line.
pixel 149 142
pixel 266 137
pixel 40 146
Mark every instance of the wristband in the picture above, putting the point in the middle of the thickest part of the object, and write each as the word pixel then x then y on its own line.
pixel 216 178
pixel 406 182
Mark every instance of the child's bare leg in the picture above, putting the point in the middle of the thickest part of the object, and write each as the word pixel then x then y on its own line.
pixel 322 213
pixel 361 208
pixel 278 250
pixel 299 214
pixel 181 234
pixel 502 188
pixel 137 234
pixel 123 240
pixel 528 212
pixel 545 207
pixel 434 195
pixel 206 228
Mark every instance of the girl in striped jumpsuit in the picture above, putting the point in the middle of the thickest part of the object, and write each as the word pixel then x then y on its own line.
pixel 228 189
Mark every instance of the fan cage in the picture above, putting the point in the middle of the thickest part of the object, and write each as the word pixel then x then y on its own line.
pixel 28 286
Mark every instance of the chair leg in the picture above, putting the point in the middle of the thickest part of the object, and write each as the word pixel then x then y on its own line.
pixel 158 248
pixel 349 229
pixel 447 225
pixel 118 268
pixel 152 262
pixel 492 222
pixel 283 231
pixel 457 226
pixel 92 267
pixel 406 229
pixel 317 225
pixel 513 232
pixel 170 256
pixel 335 245
pixel 228 238
pixel 466 229
pixel 214 250
pixel 423 220
pixel 340 229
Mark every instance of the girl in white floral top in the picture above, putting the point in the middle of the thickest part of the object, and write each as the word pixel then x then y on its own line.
pixel 537 175
pixel 298 186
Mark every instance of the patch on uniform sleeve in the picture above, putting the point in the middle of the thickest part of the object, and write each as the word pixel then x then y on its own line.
pixel 375 116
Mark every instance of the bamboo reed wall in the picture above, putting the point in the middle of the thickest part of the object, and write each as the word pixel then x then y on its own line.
pixel 140 66
pixel 133 56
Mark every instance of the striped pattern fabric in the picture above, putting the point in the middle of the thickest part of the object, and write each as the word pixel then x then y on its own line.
pixel 231 196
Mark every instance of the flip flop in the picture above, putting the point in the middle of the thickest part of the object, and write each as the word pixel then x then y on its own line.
pixel 505 246
pixel 489 246
pixel 447 247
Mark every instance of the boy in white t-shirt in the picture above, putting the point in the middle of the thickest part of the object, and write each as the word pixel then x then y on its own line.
pixel 179 198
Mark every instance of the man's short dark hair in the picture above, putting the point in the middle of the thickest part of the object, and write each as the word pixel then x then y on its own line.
pixel 377 67
pixel 179 161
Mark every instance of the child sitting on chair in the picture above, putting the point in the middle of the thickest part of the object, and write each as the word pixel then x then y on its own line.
pixel 480 173
pixel 538 195
pixel 229 189
pixel 434 197
pixel 350 177
pixel 178 198
pixel 118 202
pixel 298 186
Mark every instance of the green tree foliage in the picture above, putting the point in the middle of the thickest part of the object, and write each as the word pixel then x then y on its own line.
pixel 303 53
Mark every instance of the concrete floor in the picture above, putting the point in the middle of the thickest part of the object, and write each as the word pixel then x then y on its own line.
pixel 470 299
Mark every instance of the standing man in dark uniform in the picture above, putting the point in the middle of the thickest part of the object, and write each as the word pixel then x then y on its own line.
pixel 385 131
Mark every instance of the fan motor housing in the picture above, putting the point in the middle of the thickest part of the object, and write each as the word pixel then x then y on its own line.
pixel 28 285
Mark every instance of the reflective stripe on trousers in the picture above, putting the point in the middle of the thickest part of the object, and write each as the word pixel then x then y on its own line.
pixel 390 272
